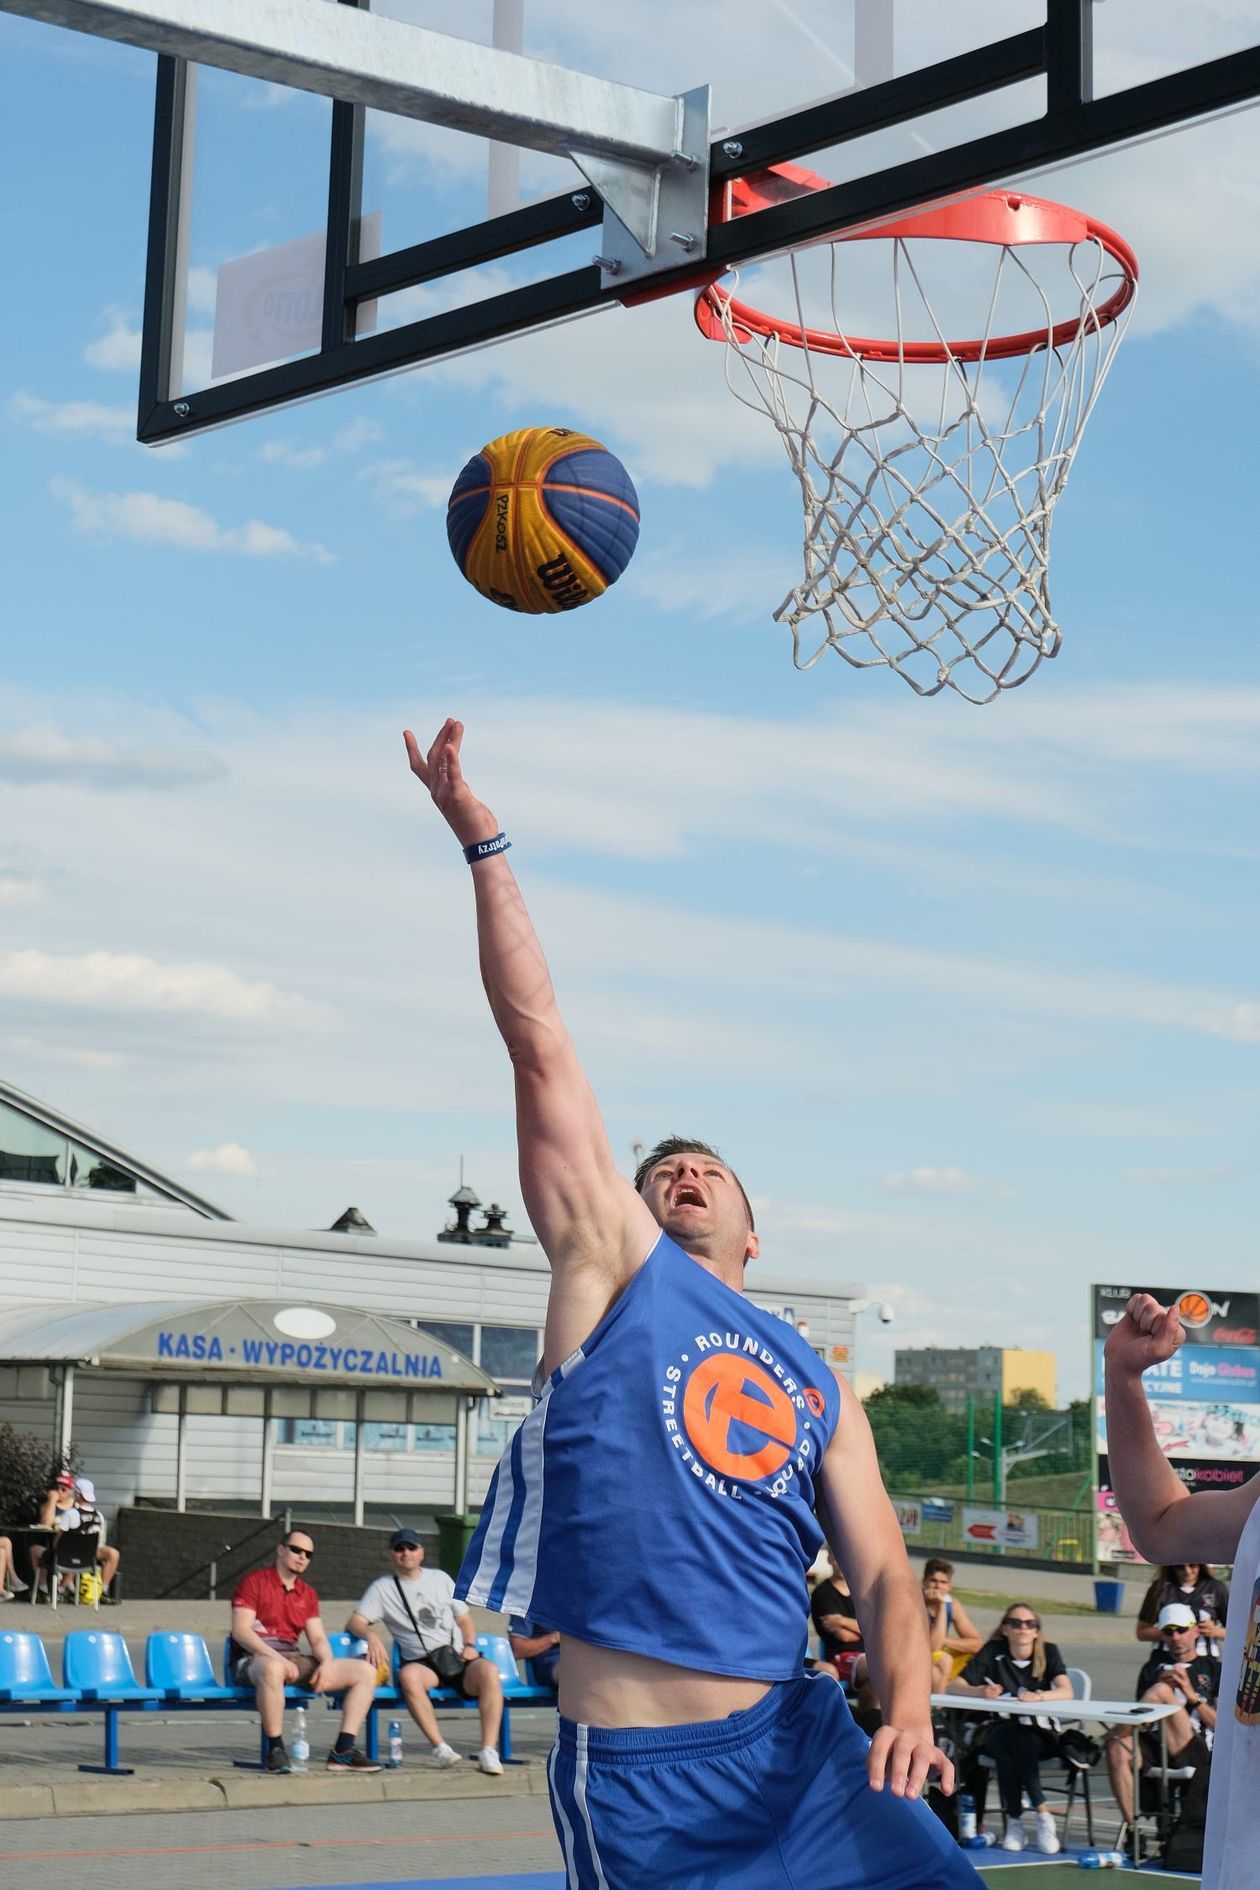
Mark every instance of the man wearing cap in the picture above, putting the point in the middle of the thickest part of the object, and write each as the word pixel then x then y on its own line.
pixel 437 1646
pixel 90 1517
pixel 1174 1675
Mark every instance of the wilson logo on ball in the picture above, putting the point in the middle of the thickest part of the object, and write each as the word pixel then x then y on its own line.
pixel 543 519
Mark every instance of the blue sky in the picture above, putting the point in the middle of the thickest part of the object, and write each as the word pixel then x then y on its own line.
pixel 967 995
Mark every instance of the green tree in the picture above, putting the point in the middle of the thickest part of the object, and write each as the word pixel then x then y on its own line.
pixel 917 1440
pixel 27 1469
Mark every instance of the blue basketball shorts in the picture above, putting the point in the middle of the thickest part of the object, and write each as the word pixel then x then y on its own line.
pixel 774 1798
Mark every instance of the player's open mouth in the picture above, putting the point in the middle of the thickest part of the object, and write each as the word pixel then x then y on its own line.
pixel 688 1197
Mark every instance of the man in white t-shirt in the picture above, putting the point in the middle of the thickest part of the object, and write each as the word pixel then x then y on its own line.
pixel 437 1647
pixel 1169 1525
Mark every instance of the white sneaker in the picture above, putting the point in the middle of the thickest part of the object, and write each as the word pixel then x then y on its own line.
pixel 488 1760
pixel 1013 1836
pixel 1047 1836
pixel 444 1755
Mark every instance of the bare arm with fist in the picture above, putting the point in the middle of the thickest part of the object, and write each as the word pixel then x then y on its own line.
pixel 1166 1522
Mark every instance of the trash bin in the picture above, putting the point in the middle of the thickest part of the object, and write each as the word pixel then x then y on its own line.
pixel 455 1532
pixel 1108 1596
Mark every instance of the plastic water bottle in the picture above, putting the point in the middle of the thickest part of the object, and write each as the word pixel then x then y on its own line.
pixel 395 1744
pixel 300 1756
pixel 966 1818
pixel 1101 1860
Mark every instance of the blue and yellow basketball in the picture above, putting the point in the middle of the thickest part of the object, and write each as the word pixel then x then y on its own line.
pixel 543 519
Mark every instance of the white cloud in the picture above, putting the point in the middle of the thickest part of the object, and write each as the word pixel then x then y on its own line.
pixel 127 981
pixel 405 489
pixel 82 417
pixel 117 350
pixel 149 518
pixel 44 753
pixel 228 1159
pixel 929 1181
pixel 349 439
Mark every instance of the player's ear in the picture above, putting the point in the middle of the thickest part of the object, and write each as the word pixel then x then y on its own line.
pixel 753 1249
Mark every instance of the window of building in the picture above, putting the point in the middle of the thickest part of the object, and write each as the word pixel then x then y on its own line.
pixel 43 1157
pixel 318 1433
pixel 510 1353
pixel 461 1338
pixel 29 1151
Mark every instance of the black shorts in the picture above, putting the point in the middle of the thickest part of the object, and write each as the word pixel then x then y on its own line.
pixel 456 1681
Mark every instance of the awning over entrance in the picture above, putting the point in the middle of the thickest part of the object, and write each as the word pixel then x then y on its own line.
pixel 267 1359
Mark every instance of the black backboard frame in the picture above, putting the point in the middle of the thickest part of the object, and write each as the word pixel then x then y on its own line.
pixel 1073 124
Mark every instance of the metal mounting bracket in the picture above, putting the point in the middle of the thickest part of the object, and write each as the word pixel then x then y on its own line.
pixel 654 215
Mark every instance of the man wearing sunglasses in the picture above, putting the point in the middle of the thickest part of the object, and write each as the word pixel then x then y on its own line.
pixel 1175 1675
pixel 437 1647
pixel 271 1610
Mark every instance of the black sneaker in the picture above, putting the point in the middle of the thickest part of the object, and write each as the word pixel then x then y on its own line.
pixel 351 1761
pixel 277 1760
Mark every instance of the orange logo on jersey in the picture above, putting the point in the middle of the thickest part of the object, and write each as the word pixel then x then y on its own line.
pixel 815 1400
pixel 727 1389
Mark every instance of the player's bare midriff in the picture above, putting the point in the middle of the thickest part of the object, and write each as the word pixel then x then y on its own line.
pixel 600 1686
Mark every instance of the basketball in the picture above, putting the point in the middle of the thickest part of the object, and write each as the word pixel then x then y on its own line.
pixel 1193 1309
pixel 543 519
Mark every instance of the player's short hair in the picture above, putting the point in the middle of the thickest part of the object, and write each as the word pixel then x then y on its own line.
pixel 936 1565
pixel 688 1145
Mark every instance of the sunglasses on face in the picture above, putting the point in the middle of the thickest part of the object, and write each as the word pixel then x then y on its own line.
pixel 1020 1620
pixel 405 1548
pixel 294 1550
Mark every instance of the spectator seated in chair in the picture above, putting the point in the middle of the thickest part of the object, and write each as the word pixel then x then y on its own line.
pixel 951 1635
pixel 1173 1674
pixel 437 1647
pixel 57 1512
pixel 10 1584
pixel 90 1517
pixel 539 1645
pixel 1017 1664
pixel 271 1610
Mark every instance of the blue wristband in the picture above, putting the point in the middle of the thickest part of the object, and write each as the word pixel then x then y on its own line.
pixel 486 849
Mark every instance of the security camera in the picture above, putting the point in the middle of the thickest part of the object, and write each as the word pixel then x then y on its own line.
pixel 887 1315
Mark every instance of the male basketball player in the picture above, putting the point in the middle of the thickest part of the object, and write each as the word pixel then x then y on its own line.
pixel 657 1506
pixel 1170 1525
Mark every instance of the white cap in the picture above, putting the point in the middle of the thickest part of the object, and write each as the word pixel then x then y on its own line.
pixel 85 1488
pixel 1175 1615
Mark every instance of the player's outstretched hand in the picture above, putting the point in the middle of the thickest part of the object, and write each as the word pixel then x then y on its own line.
pixel 901 1758
pixel 1146 1335
pixel 468 818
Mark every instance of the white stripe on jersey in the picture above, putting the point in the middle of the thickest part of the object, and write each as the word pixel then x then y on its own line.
pixel 524 1543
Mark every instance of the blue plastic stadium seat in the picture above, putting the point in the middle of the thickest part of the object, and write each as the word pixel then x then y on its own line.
pixel 180 1668
pixel 98 1668
pixel 348 1646
pixel 498 1648
pixel 24 1671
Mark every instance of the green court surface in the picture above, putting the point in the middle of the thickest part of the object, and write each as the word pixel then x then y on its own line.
pixel 1062 1874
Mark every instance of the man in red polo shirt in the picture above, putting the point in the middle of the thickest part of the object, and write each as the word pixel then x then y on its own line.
pixel 271 1610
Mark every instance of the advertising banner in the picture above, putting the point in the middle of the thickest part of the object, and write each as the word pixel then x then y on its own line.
pixel 1005 1528
pixel 1204 1402
pixel 909 1516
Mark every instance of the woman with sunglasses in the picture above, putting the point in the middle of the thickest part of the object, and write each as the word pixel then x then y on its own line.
pixel 1016 1663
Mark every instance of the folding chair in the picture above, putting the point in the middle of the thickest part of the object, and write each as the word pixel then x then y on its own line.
pixel 71 1551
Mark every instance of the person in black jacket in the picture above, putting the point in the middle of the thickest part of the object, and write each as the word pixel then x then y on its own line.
pixel 1174 1673
pixel 1017 1663
pixel 1207 1598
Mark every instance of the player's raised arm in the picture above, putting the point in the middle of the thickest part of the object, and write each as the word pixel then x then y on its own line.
pixel 586 1214
pixel 1166 1522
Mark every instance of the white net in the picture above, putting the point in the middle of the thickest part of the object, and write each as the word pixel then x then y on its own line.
pixel 929 487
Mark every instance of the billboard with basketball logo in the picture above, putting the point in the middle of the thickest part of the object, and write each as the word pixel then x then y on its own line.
pixel 1204 1401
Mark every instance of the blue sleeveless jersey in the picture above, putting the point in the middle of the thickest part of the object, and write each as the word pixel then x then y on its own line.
pixel 659 1498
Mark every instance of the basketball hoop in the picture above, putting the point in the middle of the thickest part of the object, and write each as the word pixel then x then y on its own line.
pixel 930 468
